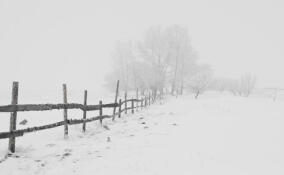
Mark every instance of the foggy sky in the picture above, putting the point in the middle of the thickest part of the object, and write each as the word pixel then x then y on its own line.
pixel 46 43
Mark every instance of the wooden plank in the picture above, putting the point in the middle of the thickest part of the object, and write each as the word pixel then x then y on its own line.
pixel 92 107
pixel 13 117
pixel 137 99
pixel 39 107
pixel 115 100
pixel 119 108
pixel 149 98
pixel 85 112
pixel 45 107
pixel 129 100
pixel 79 121
pixel 101 111
pixel 65 115
pixel 141 105
pixel 98 107
pixel 145 101
pixel 21 132
pixel 4 135
pixel 125 102
pixel 110 105
pixel 132 106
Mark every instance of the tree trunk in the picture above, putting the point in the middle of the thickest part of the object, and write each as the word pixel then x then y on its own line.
pixel 197 94
pixel 181 88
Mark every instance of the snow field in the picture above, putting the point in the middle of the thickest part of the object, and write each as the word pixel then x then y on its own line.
pixel 216 134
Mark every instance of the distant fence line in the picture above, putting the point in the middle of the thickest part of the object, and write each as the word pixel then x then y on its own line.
pixel 15 107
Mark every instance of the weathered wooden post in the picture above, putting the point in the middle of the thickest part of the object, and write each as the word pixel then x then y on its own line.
pixel 13 117
pixel 137 102
pixel 125 103
pixel 101 111
pixel 149 97
pixel 132 106
pixel 65 116
pixel 85 111
pixel 145 101
pixel 152 97
pixel 141 103
pixel 177 93
pixel 119 109
pixel 115 100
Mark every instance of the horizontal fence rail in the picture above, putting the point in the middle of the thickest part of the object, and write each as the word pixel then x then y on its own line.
pixel 46 107
pixel 18 133
pixel 130 100
pixel 122 105
pixel 21 132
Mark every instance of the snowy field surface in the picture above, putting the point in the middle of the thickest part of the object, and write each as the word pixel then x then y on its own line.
pixel 218 134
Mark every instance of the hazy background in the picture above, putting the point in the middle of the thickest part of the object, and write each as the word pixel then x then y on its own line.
pixel 46 43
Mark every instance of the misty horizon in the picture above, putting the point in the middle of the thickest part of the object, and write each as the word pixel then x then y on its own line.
pixel 152 87
pixel 39 40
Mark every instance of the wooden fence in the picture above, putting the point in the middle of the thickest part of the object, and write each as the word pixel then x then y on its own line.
pixel 14 108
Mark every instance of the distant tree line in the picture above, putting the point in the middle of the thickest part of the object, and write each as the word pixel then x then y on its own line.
pixel 242 86
pixel 164 60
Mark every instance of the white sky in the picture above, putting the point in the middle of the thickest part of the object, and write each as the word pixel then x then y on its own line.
pixel 55 41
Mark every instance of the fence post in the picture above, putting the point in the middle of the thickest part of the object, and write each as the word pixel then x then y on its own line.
pixel 85 112
pixel 132 106
pixel 153 97
pixel 119 109
pixel 65 117
pixel 101 111
pixel 145 101
pixel 137 100
pixel 115 100
pixel 13 117
pixel 149 98
pixel 125 103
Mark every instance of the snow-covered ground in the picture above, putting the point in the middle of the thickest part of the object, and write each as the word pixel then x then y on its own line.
pixel 218 134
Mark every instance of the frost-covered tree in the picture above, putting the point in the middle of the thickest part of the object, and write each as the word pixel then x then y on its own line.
pixel 169 52
pixel 122 59
pixel 242 86
pixel 163 58
pixel 181 53
pixel 155 51
pixel 247 84
pixel 199 82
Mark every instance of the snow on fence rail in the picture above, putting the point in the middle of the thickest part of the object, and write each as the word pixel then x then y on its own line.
pixel 14 108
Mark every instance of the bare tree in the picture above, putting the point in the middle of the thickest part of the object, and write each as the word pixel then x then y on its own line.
pixel 169 52
pixel 247 84
pixel 242 86
pixel 164 58
pixel 124 67
pixel 180 50
pixel 200 81
pixel 155 51
pixel 221 84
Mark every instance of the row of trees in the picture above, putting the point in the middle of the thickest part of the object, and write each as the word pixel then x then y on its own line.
pixel 163 60
pixel 242 86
